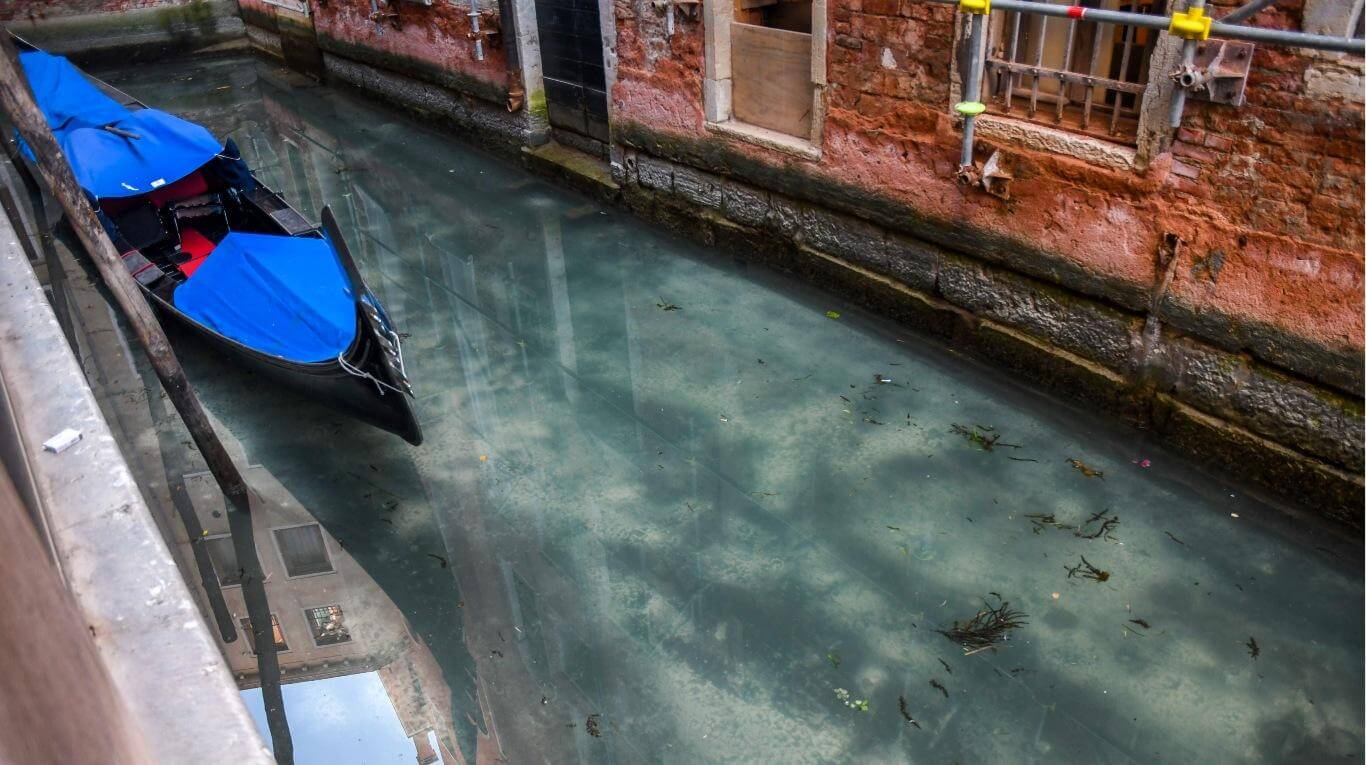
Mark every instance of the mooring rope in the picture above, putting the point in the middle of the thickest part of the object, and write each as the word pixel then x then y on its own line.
pixel 348 368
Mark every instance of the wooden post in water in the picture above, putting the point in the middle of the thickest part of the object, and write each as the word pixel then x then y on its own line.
pixel 18 103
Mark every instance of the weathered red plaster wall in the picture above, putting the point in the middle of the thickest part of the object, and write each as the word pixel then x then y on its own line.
pixel 431 39
pixel 1268 197
pixel 41 9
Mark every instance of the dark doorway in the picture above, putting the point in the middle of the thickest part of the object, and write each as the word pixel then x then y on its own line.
pixel 575 82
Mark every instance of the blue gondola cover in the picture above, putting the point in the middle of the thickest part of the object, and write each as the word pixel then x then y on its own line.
pixel 67 98
pixel 167 149
pixel 106 164
pixel 286 296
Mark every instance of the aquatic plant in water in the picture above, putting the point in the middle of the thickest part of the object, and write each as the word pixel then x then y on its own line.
pixel 843 695
pixel 988 628
pixel 1085 570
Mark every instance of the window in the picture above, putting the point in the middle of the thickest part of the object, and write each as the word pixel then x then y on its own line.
pixel 280 644
pixel 1081 76
pixel 765 70
pixel 303 551
pixel 771 65
pixel 327 625
pixel 224 559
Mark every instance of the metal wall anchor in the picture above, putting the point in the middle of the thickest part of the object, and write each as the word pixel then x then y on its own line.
pixel 1219 72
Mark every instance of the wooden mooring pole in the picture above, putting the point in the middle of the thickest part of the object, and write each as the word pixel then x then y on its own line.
pixel 18 103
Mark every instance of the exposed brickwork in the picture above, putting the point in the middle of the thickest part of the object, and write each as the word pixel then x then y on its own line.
pixel 1289 436
pixel 44 9
pixel 430 42
pixel 1272 190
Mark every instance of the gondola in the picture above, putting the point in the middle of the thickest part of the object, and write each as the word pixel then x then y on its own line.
pixel 219 252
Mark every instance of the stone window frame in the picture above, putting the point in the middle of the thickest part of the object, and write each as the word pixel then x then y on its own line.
pixel 1331 17
pixel 1153 137
pixel 717 16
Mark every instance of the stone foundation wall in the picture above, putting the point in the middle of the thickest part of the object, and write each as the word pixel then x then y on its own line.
pixel 110 31
pixel 1293 437
pixel 425 42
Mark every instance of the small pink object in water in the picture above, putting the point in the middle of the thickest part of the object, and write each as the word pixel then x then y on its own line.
pixel 1145 462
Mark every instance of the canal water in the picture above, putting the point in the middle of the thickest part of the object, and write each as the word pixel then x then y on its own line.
pixel 676 508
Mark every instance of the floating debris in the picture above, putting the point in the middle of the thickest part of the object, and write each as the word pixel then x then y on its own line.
pixel 834 659
pixel 947 668
pixel 832 314
pixel 591 725
pixel 495 653
pixel 1023 459
pixel 977 434
pixel 905 713
pixel 1173 538
pixel 859 704
pixel 894 528
pixel 1085 570
pixel 438 559
pixel 1107 524
pixel 1253 649
pixel 664 305
pixel 988 628
pixel 1142 623
pixel 1086 470
pixel 1041 521
pixel 1143 463
pixel 938 686
pixel 880 379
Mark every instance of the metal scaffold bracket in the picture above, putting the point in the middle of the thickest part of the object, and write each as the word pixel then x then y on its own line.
pixel 1192 24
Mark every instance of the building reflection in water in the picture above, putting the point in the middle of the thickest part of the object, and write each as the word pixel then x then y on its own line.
pixel 330 617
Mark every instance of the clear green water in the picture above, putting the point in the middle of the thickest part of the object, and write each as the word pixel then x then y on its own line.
pixel 700 523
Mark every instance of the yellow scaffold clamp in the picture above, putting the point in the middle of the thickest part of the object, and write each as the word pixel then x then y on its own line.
pixel 969 108
pixel 1190 25
pixel 974 6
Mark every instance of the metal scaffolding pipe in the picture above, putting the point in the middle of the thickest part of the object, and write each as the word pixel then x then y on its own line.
pixel 972 87
pixel 1178 105
pixel 1247 11
pixel 1149 21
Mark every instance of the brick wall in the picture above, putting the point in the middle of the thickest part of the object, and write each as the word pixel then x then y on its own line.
pixel 43 9
pixel 1267 197
pixel 1239 339
pixel 428 42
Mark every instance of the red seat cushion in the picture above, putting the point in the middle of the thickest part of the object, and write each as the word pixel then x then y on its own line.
pixel 189 186
pixel 197 246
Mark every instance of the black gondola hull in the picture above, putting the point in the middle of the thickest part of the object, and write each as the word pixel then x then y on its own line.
pixel 325 382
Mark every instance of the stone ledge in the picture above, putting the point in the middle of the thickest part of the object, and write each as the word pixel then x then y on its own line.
pixel 494 127
pixel 1330 493
pixel 1331 366
pixel 1085 350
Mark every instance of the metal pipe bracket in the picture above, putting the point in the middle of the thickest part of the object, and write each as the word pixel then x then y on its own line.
pixel 1191 25
pixel 1219 72
pixel 982 7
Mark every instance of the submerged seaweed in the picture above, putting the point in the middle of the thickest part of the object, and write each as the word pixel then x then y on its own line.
pixel 1085 570
pixel 988 628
